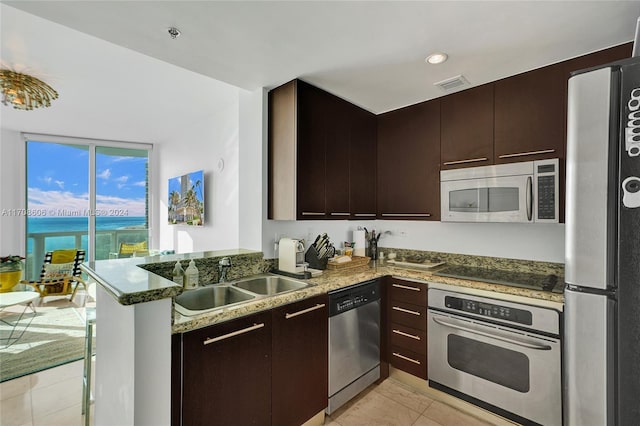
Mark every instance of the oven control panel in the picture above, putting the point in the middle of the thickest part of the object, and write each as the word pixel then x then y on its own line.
pixel 491 310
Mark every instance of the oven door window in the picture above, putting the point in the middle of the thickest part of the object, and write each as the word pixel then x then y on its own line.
pixel 494 363
pixel 485 200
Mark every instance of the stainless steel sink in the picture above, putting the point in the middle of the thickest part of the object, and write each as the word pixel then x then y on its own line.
pixel 208 298
pixel 269 285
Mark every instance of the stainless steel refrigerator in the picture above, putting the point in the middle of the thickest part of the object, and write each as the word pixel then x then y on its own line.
pixel 601 366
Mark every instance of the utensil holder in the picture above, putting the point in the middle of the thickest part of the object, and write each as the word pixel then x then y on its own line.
pixel 313 259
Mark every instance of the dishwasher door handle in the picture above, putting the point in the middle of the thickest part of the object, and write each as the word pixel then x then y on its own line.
pixel 518 342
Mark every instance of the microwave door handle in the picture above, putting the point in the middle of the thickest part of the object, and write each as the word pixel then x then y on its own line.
pixel 529 198
pixel 519 342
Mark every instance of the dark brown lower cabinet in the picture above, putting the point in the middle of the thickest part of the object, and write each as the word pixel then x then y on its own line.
pixel 262 369
pixel 300 361
pixel 226 373
pixel 407 326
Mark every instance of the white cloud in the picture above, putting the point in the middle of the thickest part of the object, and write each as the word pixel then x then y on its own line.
pixel 65 203
pixel 47 180
pixel 122 179
pixel 60 183
pixel 105 174
pixel 142 183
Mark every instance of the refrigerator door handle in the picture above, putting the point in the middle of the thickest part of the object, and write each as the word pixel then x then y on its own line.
pixel 588 358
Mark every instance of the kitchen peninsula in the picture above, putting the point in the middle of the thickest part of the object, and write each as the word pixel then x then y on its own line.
pixel 136 319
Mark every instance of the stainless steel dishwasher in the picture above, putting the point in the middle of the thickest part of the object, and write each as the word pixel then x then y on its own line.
pixel 354 341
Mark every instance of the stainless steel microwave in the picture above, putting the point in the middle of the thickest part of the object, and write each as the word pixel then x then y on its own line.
pixel 524 192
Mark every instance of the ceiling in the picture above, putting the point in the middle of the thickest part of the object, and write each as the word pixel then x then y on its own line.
pixel 370 53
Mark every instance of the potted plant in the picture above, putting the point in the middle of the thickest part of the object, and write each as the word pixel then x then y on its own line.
pixel 10 271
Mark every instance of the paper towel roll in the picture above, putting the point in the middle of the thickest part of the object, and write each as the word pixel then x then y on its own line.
pixel 359 239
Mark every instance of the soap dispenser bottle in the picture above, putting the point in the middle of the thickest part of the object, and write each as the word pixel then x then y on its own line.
pixel 178 274
pixel 191 276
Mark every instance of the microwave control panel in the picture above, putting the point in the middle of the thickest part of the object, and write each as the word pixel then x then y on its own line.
pixel 546 175
pixel 491 310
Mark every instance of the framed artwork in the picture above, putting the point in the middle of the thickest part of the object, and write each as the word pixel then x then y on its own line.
pixel 186 199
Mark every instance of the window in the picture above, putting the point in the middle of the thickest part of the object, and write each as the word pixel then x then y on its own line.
pixel 85 194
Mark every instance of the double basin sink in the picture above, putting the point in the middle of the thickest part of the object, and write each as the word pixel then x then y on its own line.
pixel 211 297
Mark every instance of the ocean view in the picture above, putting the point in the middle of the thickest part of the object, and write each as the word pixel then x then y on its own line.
pixel 76 225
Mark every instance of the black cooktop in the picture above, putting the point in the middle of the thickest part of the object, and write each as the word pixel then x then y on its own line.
pixel 528 280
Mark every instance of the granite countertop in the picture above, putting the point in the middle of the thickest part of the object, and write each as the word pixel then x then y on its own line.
pixel 332 280
pixel 129 281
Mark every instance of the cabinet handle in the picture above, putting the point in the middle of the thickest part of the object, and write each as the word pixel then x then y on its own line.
pixel 522 154
pixel 406 311
pixel 407 214
pixel 406 358
pixel 411 336
pixel 313 214
pixel 406 287
pixel 304 311
pixel 340 214
pixel 235 333
pixel 470 160
pixel 364 214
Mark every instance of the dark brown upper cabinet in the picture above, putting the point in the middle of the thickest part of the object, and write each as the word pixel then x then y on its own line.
pixel 408 163
pixel 530 115
pixel 467 128
pixel 363 165
pixel 312 136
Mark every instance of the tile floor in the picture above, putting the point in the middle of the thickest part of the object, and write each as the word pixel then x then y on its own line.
pixel 52 398
pixel 394 404
pixel 49 398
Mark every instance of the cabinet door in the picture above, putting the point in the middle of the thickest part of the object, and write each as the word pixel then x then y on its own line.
pixel 467 128
pixel 530 115
pixel 408 182
pixel 337 136
pixel 362 165
pixel 300 361
pixel 310 194
pixel 226 373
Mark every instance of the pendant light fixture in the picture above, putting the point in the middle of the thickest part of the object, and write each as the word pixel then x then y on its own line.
pixel 25 92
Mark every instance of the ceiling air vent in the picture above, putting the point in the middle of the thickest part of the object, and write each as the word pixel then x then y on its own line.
pixel 452 83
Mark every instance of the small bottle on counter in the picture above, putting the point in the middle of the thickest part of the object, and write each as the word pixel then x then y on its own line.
pixel 191 276
pixel 178 274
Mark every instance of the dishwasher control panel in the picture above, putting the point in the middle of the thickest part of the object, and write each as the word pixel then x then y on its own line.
pixel 353 297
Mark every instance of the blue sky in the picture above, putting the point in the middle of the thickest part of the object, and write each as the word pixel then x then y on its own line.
pixel 58 183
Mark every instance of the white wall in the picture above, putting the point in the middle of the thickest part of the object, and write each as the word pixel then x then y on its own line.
pixel 541 242
pixel 252 134
pixel 114 93
pixel 12 224
pixel 204 143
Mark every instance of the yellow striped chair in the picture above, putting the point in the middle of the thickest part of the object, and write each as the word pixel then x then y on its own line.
pixel 61 274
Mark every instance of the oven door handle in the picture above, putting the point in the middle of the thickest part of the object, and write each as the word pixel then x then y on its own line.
pixel 519 342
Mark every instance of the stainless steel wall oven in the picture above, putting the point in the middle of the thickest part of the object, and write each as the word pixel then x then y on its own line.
pixel 500 355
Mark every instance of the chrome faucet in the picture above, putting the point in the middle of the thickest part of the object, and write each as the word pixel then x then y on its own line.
pixel 223 268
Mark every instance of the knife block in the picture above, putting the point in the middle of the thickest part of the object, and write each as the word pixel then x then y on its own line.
pixel 314 261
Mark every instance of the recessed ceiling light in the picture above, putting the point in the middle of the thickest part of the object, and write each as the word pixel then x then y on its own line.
pixel 436 58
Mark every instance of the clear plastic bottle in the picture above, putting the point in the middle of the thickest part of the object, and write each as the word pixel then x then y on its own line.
pixel 191 276
pixel 178 274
